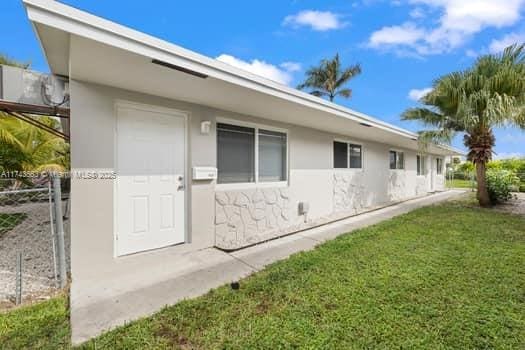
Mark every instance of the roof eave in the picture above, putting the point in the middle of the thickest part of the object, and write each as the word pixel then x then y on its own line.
pixel 69 19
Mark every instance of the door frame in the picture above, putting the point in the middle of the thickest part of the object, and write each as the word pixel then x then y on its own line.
pixel 120 103
pixel 432 174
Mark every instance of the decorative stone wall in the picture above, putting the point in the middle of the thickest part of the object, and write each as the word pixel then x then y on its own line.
pixel 440 183
pixel 246 217
pixel 349 192
pixel 421 185
pixel 397 186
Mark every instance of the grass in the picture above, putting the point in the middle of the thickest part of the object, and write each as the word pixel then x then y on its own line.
pixel 41 326
pixel 9 221
pixel 456 183
pixel 447 276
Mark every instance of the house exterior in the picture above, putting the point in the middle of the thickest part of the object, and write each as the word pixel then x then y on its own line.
pixel 174 150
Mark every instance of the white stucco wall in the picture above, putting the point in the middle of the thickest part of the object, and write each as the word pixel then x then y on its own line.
pixel 217 216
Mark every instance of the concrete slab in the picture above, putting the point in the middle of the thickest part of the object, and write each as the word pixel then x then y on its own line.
pixel 107 303
pixel 166 277
pixel 259 256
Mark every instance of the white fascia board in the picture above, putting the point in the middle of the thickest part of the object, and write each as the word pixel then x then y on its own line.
pixel 55 14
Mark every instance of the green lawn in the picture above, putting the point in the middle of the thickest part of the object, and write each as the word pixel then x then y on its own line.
pixel 460 183
pixel 9 221
pixel 448 276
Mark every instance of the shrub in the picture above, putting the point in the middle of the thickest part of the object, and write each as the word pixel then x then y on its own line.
pixel 522 187
pixel 500 184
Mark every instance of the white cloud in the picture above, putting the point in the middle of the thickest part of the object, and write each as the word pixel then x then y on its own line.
pixel 498 45
pixel 417 94
pixel 317 20
pixel 281 75
pixel 407 34
pixel 291 66
pixel 457 22
pixel 417 13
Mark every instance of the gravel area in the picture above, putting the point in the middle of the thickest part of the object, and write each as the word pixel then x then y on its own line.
pixel 31 237
pixel 514 206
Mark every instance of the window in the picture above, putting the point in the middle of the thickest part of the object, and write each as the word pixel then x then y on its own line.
pixel 421 165
pixel 238 160
pixel 272 156
pixel 235 154
pixel 439 166
pixel 340 155
pixel 397 160
pixel 347 155
pixel 355 156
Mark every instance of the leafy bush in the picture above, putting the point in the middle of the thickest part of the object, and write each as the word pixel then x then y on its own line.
pixel 522 187
pixel 500 184
pixel 515 165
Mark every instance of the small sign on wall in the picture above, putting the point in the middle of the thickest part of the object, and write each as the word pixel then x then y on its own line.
pixel 204 173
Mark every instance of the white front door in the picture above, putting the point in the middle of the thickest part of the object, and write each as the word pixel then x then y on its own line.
pixel 150 178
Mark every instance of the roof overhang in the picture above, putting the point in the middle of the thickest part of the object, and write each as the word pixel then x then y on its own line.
pixel 89 48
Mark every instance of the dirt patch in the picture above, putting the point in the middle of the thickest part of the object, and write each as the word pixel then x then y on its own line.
pixel 513 206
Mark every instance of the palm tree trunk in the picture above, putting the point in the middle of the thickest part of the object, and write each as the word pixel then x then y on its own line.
pixel 483 193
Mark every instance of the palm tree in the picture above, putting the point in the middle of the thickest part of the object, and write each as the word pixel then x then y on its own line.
pixel 329 78
pixel 26 147
pixel 473 102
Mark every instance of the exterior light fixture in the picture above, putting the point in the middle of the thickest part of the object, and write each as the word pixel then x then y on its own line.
pixel 205 127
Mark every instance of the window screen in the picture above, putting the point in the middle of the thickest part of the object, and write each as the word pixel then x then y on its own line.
pixel 235 153
pixel 397 160
pixel 421 165
pixel 355 156
pixel 340 154
pixel 393 159
pixel 400 160
pixel 439 166
pixel 272 156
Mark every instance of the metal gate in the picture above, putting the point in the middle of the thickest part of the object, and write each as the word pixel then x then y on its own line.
pixel 34 238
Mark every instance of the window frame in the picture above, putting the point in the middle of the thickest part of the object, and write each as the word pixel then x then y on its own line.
pixel 439 170
pixel 348 143
pixel 422 162
pixel 397 151
pixel 256 183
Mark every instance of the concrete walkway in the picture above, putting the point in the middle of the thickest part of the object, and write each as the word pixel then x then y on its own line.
pixel 98 307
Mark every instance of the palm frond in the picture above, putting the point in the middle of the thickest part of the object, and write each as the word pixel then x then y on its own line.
pixel 348 74
pixel 346 93
pixel 424 115
pixel 328 78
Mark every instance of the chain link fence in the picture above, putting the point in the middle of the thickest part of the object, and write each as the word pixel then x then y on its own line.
pixel 29 238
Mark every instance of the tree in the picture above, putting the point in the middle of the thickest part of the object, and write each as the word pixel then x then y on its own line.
pixel 26 147
pixel 328 79
pixel 473 102
pixel 6 61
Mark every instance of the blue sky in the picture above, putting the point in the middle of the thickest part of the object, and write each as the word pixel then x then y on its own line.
pixel 402 45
